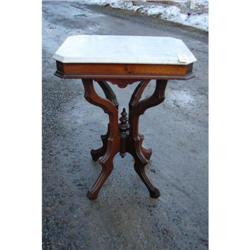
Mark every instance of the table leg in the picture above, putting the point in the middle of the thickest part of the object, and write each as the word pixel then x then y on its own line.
pixel 112 138
pixel 110 95
pixel 99 152
pixel 137 108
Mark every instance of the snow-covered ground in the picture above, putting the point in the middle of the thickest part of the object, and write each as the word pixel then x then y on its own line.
pixel 188 12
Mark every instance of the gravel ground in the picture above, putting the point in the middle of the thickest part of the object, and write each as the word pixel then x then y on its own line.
pixel 124 216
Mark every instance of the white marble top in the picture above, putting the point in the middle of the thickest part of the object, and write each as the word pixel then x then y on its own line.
pixel 124 49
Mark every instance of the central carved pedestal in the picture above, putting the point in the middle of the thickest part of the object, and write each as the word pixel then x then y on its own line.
pixel 123 135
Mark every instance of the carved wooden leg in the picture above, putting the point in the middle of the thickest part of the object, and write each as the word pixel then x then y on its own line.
pixel 113 139
pixel 107 166
pixel 135 99
pixel 97 153
pixel 141 161
pixel 110 95
pixel 137 108
pixel 147 152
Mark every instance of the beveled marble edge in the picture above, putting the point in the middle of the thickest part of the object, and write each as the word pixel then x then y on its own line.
pixel 118 61
pixel 124 60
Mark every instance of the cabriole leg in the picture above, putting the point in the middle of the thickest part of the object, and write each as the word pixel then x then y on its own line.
pixel 137 108
pixel 111 140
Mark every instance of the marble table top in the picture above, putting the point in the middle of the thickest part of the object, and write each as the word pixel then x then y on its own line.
pixel 124 50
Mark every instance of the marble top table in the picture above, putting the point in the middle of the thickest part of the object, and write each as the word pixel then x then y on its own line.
pixel 123 60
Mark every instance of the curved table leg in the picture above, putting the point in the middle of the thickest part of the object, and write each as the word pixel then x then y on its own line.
pixel 107 166
pixel 133 101
pixel 137 108
pixel 113 139
pixel 147 152
pixel 99 152
pixel 110 95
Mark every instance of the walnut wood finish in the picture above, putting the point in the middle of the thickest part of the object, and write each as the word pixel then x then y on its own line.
pixel 124 136
pixel 111 140
pixel 110 95
pixel 108 92
pixel 136 109
pixel 123 69
pixel 123 74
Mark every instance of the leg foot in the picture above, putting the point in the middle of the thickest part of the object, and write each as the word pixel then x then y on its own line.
pixel 106 171
pixel 155 193
pixel 92 196
pixel 140 162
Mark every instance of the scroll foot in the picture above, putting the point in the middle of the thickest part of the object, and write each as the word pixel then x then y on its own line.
pixel 140 162
pixel 92 196
pixel 153 191
pixel 106 171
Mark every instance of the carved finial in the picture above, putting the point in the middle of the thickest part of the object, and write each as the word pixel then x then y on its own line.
pixel 123 130
pixel 123 120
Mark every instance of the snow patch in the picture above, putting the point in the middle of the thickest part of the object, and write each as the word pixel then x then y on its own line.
pixel 180 99
pixel 170 13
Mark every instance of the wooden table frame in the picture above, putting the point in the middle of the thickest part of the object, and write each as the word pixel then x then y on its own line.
pixel 123 136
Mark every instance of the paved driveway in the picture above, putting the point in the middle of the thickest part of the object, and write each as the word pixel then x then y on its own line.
pixel 123 217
